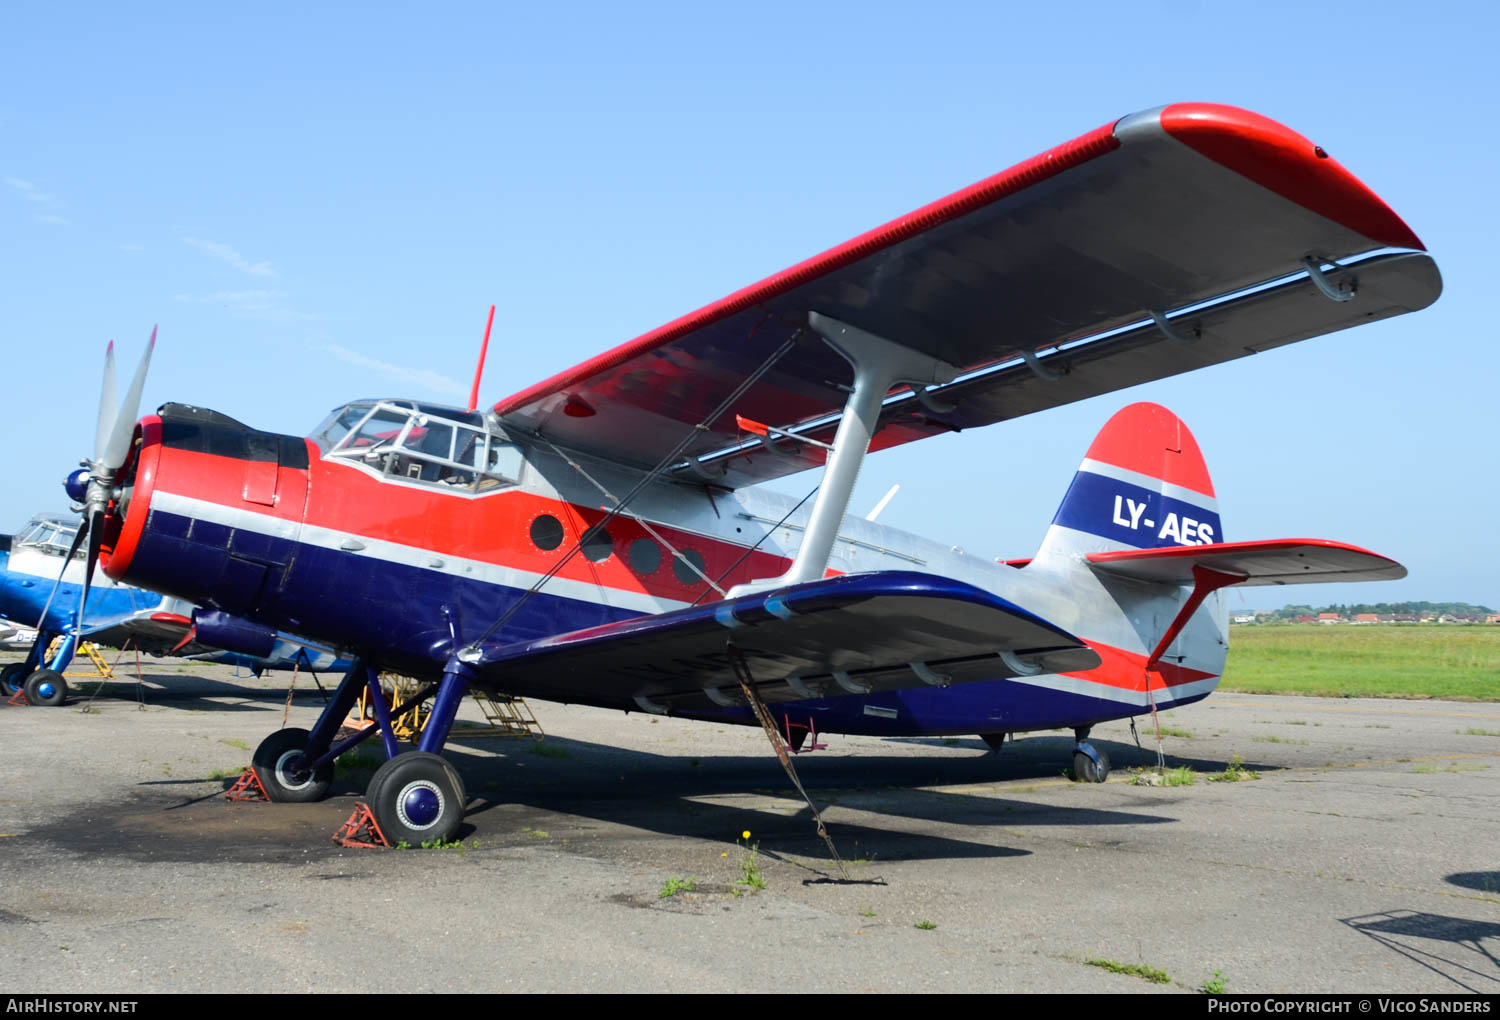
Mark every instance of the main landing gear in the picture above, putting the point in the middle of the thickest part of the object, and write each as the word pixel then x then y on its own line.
pixel 1090 764
pixel 417 797
pixel 42 685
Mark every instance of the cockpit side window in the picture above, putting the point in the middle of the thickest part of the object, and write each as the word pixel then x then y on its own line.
pixel 421 443
pixel 49 536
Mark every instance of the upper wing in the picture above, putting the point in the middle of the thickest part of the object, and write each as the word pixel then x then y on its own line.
pixel 1280 561
pixel 1068 253
pixel 856 633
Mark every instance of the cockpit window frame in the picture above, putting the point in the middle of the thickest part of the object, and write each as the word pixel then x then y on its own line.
pixel 50 535
pixel 400 458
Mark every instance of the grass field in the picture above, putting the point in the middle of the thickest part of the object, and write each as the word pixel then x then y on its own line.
pixel 1373 661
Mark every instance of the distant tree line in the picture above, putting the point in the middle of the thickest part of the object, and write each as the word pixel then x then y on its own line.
pixel 1349 610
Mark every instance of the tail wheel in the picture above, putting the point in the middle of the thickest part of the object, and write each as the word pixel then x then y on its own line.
pixel 46 687
pixel 995 740
pixel 1086 770
pixel 275 762
pixel 417 798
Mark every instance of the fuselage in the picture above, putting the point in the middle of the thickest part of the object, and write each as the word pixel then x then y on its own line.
pixel 373 551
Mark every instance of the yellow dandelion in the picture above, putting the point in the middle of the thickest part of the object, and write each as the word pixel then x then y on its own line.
pixel 745 834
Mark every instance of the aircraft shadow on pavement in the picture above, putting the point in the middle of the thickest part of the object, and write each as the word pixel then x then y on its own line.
pixel 191 693
pixel 1452 947
pixel 660 793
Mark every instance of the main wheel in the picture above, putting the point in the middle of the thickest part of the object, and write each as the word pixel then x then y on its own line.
pixel 273 761
pixel 417 798
pixel 1085 770
pixel 46 687
pixel 12 677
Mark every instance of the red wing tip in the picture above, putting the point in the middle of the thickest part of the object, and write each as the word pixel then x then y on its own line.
pixel 174 618
pixel 1281 160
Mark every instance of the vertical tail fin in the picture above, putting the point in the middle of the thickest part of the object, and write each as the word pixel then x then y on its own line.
pixel 1142 485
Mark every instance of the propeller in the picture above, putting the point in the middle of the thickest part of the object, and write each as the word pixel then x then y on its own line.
pixel 94 485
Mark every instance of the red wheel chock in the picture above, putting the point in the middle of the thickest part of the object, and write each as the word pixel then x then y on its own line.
pixel 19 699
pixel 362 830
pixel 247 788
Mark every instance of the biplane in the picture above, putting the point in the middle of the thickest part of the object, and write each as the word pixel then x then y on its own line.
pixel 601 537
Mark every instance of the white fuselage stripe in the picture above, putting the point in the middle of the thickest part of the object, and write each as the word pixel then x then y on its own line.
pixel 406 555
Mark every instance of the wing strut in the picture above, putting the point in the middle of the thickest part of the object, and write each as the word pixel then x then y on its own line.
pixel 640 486
pixel 878 365
pixel 763 715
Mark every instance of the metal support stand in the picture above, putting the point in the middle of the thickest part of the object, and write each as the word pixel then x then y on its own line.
pixel 878 365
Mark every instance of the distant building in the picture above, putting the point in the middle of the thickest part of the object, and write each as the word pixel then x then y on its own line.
pixel 1330 618
pixel 1366 618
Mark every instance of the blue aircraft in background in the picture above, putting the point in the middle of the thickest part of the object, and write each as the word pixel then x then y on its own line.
pixel 40 585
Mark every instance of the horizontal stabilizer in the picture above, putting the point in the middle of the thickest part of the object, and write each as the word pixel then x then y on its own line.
pixel 1279 561
pixel 852 634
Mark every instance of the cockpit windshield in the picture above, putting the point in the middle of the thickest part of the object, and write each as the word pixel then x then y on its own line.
pixel 421 443
pixel 50 534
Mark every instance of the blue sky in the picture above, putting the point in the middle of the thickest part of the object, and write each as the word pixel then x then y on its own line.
pixel 320 202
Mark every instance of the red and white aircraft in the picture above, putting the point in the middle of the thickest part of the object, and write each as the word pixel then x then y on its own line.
pixel 599 537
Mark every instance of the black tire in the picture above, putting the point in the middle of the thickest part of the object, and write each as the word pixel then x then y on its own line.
pixel 417 798
pixel 372 790
pixel 46 688
pixel 795 736
pixel 1086 771
pixel 272 761
pixel 995 740
pixel 12 677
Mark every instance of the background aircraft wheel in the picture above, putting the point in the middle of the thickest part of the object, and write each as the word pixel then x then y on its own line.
pixel 12 677
pixel 995 740
pixel 273 760
pixel 1086 771
pixel 417 798
pixel 46 687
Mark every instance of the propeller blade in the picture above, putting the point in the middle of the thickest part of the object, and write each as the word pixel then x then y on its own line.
pixel 95 525
pixel 83 530
pixel 118 445
pixel 106 402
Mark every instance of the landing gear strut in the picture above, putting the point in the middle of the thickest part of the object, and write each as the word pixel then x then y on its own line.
pixel 1090 764
pixel 416 797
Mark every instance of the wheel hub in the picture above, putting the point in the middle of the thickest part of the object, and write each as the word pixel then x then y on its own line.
pixel 419 805
pixel 45 689
pixel 288 777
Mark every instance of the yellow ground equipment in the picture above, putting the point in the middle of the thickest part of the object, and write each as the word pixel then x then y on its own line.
pixel 504 716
